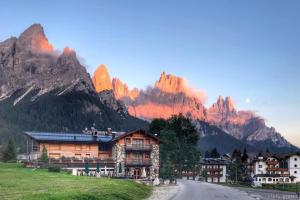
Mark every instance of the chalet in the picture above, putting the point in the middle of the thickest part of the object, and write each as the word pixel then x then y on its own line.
pixel 122 154
pixel 214 169
pixel 271 169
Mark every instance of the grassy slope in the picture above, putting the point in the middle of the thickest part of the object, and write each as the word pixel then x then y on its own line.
pixel 21 183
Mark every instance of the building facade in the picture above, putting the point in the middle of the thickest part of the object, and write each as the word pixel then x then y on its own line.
pixel 134 154
pixel 272 169
pixel 214 170
pixel 293 162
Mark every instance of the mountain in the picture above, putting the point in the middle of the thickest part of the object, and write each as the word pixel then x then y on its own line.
pixel 101 79
pixel 172 95
pixel 122 91
pixel 46 90
pixel 214 137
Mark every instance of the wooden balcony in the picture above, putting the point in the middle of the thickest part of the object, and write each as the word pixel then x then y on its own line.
pixel 215 175
pixel 277 169
pixel 138 147
pixel 79 163
pixel 213 169
pixel 137 162
pixel 271 162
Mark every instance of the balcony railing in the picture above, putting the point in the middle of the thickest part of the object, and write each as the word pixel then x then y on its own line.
pixel 138 147
pixel 138 162
pixel 214 175
pixel 213 169
pixel 276 169
pixel 271 162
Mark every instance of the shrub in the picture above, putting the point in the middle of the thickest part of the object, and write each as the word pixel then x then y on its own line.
pixel 54 169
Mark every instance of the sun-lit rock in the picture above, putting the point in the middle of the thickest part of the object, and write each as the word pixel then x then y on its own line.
pixel 101 79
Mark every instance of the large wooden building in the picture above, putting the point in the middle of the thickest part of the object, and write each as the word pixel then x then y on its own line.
pixel 123 154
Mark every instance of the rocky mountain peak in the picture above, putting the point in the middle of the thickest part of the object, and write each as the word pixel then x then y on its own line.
pixel 230 107
pixel 68 51
pixel 122 91
pixel 170 83
pixel 29 59
pixel 34 38
pixel 101 79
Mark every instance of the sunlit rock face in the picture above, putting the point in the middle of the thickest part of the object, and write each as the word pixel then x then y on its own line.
pixel 169 83
pixel 170 96
pixel 122 91
pixel 34 39
pixel 101 79
pixel 27 62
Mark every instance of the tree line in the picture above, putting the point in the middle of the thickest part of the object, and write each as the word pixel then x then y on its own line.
pixel 179 151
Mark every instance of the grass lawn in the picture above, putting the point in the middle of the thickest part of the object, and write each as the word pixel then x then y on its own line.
pixel 292 187
pixel 17 182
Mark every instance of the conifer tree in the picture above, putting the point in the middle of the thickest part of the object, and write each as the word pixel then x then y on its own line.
pixel 10 152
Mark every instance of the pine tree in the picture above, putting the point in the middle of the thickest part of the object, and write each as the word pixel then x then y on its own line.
pixel 44 157
pixel 10 152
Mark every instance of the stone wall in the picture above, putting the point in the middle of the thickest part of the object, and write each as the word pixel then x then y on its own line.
pixel 154 170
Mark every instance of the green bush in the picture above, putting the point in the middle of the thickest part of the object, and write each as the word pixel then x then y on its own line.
pixel 54 169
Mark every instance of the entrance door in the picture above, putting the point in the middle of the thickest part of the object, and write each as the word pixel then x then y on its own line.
pixel 137 173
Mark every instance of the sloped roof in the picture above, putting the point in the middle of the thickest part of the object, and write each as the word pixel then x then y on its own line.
pixel 68 137
pixel 135 131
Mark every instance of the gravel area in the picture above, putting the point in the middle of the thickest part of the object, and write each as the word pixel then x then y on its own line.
pixel 164 192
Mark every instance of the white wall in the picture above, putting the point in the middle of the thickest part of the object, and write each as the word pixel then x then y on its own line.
pixel 262 170
pixel 294 166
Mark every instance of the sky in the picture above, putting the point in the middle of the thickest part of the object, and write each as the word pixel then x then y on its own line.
pixel 249 50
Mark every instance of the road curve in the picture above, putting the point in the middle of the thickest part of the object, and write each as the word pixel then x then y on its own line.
pixel 194 190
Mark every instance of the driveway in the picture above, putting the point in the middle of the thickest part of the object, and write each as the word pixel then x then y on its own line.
pixel 194 190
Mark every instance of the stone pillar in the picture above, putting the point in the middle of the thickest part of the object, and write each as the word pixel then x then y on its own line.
pixel 154 169
pixel 119 156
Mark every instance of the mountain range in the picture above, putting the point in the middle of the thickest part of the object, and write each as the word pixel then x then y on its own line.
pixel 171 95
pixel 43 89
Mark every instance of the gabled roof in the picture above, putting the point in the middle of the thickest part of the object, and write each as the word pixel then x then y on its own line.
pixel 135 131
pixel 68 137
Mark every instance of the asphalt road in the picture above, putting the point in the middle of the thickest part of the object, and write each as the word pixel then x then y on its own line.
pixel 194 190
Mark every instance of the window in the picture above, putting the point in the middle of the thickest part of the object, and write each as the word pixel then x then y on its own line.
pixel 77 155
pixel 127 140
pixel 287 180
pixel 295 165
pixel 270 179
pixel 259 180
pixel 259 166
pixel 295 159
pixel 105 147
pixel 295 172
pixel 147 155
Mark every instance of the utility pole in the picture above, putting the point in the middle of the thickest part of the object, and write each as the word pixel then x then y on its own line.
pixel 297 190
pixel 236 174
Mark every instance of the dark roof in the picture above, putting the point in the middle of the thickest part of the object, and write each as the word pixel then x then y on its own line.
pixel 68 137
pixel 213 161
pixel 138 130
